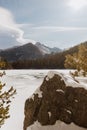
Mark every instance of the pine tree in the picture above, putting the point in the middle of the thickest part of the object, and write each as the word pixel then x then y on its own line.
pixel 71 61
pixel 78 60
pixel 5 99
pixel 82 57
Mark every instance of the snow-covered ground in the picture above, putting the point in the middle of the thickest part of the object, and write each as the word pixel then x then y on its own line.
pixel 26 82
pixel 58 126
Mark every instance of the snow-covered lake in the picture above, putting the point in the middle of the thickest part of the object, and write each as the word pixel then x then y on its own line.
pixel 25 82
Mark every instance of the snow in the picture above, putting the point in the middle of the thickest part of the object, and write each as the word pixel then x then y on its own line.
pixel 50 74
pixel 44 49
pixel 59 90
pixel 58 126
pixel 49 113
pixel 68 111
pixel 26 82
pixel 39 92
pixel 68 79
pixel 76 101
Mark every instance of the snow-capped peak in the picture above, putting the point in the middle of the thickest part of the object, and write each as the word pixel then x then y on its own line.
pixel 47 50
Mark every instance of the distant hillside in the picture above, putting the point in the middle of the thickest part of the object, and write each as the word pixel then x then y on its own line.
pixel 55 61
pixel 24 52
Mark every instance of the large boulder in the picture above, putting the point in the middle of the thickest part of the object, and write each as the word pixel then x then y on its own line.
pixel 54 100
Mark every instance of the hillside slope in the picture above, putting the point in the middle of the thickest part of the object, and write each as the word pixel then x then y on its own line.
pixel 24 52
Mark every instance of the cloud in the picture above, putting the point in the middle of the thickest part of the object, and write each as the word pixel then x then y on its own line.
pixel 77 4
pixel 60 34
pixel 7 23
pixel 59 29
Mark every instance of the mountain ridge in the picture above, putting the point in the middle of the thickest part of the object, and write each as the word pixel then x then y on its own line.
pixel 26 52
pixel 47 50
pixel 23 52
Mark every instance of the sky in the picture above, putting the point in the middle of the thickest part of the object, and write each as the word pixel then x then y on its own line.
pixel 59 23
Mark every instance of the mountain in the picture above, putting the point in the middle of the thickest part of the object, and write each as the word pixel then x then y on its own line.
pixel 27 51
pixel 47 50
pixel 24 52
pixel 55 61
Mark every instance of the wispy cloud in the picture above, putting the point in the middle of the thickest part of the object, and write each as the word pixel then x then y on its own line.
pixel 58 28
pixel 7 23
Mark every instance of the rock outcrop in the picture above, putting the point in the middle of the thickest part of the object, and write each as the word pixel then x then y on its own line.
pixel 54 100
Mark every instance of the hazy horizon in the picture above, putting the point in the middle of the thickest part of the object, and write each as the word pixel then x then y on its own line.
pixel 55 23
